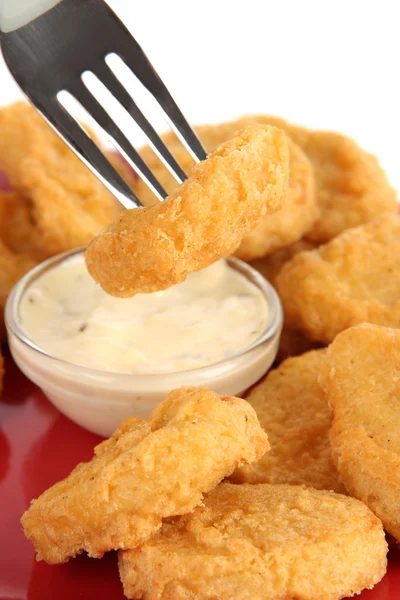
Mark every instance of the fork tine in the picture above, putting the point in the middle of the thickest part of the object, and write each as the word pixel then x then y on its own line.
pixel 79 141
pixel 102 118
pixel 106 75
pixel 136 60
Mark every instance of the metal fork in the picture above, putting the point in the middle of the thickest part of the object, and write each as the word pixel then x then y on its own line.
pixel 48 46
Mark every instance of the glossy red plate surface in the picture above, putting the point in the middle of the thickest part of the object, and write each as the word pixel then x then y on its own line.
pixel 38 446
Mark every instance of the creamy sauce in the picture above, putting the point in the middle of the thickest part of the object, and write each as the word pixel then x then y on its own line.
pixel 213 315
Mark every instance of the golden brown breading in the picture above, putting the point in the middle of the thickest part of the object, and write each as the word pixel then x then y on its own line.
pixel 293 220
pixel 68 204
pixel 355 278
pixel 351 187
pixel 293 410
pixel 205 219
pixel 260 542
pixel 12 268
pixel 17 228
pixel 361 378
pixel 160 468
pixel 128 424
pixel 287 225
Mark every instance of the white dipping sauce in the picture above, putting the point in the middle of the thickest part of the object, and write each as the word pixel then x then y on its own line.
pixel 213 315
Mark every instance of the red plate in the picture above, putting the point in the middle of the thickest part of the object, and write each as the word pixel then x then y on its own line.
pixel 39 446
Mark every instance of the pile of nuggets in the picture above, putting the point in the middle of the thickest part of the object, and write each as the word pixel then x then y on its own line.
pixel 284 494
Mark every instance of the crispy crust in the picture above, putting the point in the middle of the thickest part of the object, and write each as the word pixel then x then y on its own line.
pixel 67 204
pixel 12 268
pixel 205 219
pixel 17 228
pixel 351 187
pixel 286 226
pixel 155 469
pixel 293 220
pixel 292 409
pixel 361 379
pixel 355 278
pixel 251 542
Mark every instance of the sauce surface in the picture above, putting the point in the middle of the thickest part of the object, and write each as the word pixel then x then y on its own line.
pixel 213 315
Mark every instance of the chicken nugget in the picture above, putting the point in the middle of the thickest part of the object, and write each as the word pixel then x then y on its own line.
pixel 293 220
pixel 155 469
pixel 295 414
pixel 258 542
pixel 355 278
pixel 17 227
pixel 361 378
pixel 68 204
pixel 12 268
pixel 205 219
pixel 284 227
pixel 351 187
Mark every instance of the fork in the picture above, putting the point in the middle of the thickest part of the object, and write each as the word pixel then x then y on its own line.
pixel 49 46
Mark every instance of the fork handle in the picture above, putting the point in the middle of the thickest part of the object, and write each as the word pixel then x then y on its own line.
pixel 17 13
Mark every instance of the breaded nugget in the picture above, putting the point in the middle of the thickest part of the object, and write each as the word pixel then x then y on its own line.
pixel 17 227
pixel 361 378
pixel 131 423
pixel 293 410
pixel 159 468
pixel 293 220
pixel 67 202
pixel 260 542
pixel 351 187
pixel 286 226
pixel 355 278
pixel 12 268
pixel 205 219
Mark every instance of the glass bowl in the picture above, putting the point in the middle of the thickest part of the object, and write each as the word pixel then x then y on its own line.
pixel 99 400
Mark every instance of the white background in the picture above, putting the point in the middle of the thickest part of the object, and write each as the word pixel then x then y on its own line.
pixel 325 64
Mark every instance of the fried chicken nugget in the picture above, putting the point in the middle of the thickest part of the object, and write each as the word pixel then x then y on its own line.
pixel 355 278
pixel 293 220
pixel 159 468
pixel 361 378
pixel 17 228
pixel 12 268
pixel 293 410
pixel 287 225
pixel 351 187
pixel 260 542
pixel 205 219
pixel 68 204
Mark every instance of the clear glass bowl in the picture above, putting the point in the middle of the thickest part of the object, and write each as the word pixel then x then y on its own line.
pixel 100 400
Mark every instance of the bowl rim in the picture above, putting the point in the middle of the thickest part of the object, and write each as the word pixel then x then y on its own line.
pixel 14 325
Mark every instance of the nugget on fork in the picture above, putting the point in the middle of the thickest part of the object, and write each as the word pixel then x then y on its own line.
pixel 204 220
